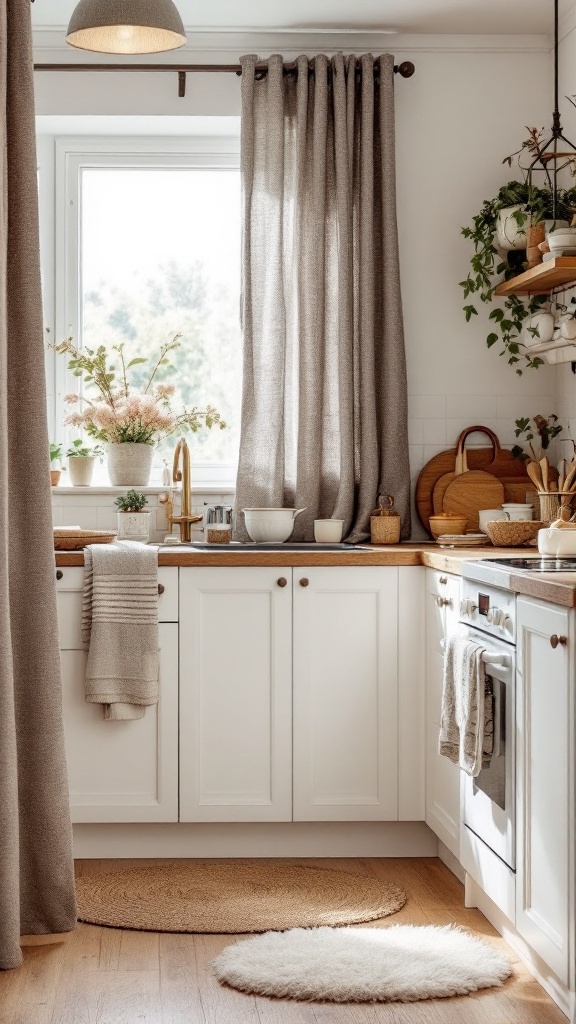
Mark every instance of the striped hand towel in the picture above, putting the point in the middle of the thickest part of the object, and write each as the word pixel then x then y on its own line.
pixel 120 627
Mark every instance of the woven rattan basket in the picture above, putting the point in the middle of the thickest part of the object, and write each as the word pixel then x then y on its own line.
pixel 385 522
pixel 74 540
pixel 511 533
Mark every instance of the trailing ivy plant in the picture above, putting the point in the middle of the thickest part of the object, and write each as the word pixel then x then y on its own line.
pixel 488 268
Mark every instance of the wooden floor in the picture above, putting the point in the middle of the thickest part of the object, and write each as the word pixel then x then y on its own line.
pixel 107 976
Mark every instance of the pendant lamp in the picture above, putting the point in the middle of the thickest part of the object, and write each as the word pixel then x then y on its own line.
pixel 126 26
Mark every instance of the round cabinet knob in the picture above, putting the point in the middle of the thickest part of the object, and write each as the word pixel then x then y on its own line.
pixel 555 640
pixel 304 582
pixel 161 588
pixel 282 581
pixel 59 574
pixel 443 579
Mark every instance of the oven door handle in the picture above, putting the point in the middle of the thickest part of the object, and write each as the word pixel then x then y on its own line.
pixel 489 658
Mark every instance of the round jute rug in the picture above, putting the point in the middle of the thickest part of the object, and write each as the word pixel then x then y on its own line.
pixel 232 896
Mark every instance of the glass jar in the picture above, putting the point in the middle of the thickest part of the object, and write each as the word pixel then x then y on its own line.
pixel 219 524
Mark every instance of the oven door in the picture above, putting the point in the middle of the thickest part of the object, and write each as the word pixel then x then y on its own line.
pixel 489 799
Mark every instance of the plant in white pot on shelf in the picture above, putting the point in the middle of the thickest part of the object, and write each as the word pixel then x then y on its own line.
pixel 129 421
pixel 55 463
pixel 133 520
pixel 81 459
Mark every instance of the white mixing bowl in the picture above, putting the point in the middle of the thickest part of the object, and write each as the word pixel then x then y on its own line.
pixel 270 525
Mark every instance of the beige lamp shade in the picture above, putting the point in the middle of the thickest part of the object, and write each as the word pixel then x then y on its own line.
pixel 126 26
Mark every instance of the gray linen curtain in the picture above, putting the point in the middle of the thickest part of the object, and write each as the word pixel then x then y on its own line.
pixel 324 411
pixel 36 868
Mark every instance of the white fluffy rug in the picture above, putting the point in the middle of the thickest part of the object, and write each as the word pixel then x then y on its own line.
pixel 352 965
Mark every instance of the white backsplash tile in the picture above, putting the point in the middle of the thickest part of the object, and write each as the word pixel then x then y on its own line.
pixel 425 407
pixel 472 408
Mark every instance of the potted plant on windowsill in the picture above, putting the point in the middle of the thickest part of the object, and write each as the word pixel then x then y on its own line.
pixel 133 520
pixel 55 463
pixel 128 420
pixel 81 459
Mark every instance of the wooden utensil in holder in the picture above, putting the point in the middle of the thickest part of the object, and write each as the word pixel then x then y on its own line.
pixel 385 522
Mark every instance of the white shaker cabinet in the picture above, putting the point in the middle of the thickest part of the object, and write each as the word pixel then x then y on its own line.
pixel 345 693
pixel 442 777
pixel 236 694
pixel 545 782
pixel 119 771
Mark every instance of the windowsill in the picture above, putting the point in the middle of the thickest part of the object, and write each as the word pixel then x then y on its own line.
pixel 197 488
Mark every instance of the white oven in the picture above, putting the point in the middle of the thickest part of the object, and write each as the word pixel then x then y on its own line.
pixel 487 616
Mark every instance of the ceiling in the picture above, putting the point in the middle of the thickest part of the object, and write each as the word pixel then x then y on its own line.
pixel 405 16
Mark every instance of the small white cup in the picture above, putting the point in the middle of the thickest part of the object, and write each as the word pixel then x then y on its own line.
pixel 489 514
pixel 328 531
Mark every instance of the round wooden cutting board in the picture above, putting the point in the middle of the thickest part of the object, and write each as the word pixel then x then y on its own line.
pixel 469 492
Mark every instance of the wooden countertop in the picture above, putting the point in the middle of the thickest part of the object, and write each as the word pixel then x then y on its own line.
pixel 558 588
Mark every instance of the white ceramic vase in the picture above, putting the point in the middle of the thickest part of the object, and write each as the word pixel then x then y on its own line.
pixel 129 463
pixel 508 235
pixel 568 328
pixel 134 526
pixel 81 468
pixel 542 324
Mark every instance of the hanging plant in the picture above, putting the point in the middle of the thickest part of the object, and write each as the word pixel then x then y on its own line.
pixel 488 267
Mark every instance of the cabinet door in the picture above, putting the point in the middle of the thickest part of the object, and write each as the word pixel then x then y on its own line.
pixel 545 777
pixel 345 694
pixel 122 771
pixel 442 777
pixel 235 694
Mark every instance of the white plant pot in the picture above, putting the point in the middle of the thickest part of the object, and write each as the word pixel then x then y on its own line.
pixel 508 235
pixel 129 463
pixel 568 328
pixel 81 468
pixel 541 322
pixel 134 526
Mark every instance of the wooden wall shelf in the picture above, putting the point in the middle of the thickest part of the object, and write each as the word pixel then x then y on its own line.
pixel 557 273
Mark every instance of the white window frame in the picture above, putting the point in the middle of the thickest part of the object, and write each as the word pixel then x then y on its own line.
pixel 71 156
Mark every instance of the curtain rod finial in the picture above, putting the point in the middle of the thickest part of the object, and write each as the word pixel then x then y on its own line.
pixel 406 69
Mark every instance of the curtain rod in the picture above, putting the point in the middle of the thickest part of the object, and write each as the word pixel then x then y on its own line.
pixel 405 69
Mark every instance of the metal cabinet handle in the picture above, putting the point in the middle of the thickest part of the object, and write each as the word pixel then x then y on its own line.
pixel 443 602
pixel 161 588
pixel 59 574
pixel 304 582
pixel 443 579
pixel 555 640
pixel 282 581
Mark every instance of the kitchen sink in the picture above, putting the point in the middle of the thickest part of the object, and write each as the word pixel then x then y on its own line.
pixel 286 546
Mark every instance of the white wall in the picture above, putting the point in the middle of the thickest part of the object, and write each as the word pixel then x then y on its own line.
pixel 565 379
pixel 464 110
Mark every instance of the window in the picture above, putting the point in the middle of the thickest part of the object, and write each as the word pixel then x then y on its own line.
pixel 149 247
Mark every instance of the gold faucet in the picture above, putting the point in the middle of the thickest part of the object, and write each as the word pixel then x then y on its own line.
pixel 185 519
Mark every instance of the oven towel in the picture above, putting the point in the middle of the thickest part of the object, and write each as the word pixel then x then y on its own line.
pixel 466 717
pixel 120 627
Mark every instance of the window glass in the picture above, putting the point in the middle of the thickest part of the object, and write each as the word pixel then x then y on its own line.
pixel 160 255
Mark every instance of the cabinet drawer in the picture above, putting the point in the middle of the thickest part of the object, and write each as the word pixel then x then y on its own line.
pixel 69 590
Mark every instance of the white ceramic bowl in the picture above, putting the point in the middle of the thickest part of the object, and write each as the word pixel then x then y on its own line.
pixel 518 511
pixel 562 238
pixel 557 543
pixel 270 525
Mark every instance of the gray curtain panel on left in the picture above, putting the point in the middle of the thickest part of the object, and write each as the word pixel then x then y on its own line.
pixel 36 867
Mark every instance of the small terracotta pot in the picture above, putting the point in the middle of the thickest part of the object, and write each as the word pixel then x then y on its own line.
pixel 55 475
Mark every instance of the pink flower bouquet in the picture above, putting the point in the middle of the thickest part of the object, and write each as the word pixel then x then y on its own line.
pixel 118 412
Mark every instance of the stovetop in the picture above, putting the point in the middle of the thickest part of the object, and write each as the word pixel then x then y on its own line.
pixel 533 564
